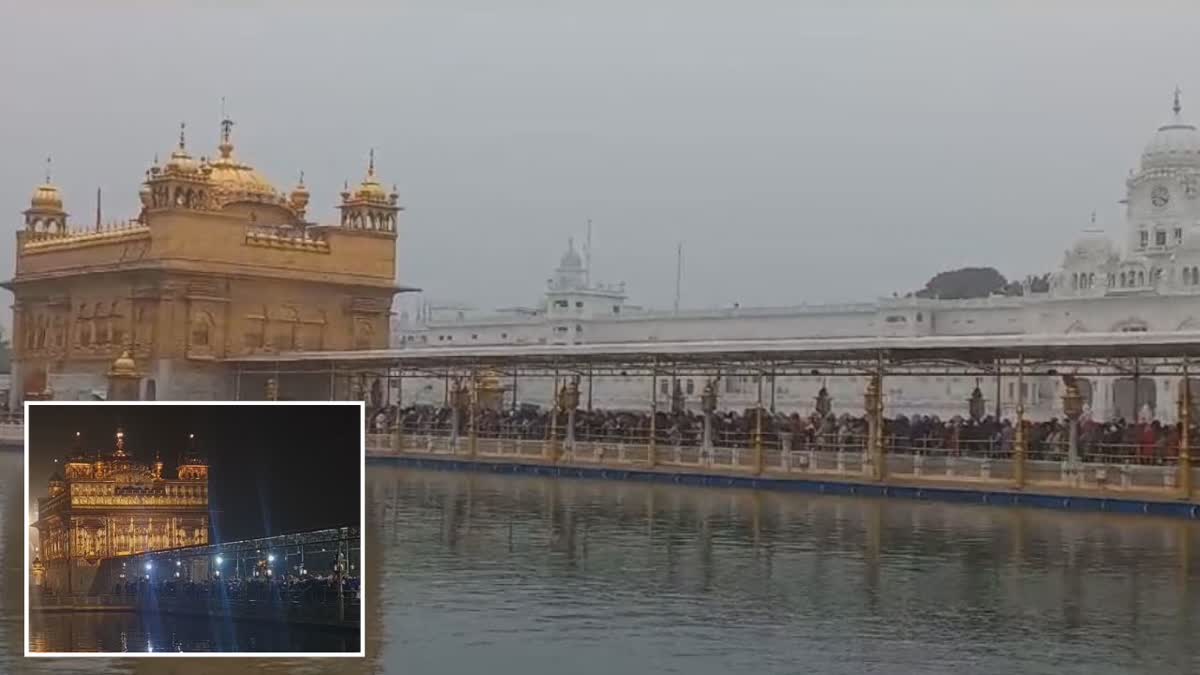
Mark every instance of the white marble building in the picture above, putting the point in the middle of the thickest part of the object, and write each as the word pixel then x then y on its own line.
pixel 1151 281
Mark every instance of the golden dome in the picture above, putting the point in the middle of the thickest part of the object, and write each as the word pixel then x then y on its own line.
pixel 46 196
pixel 123 366
pixel 232 176
pixel 236 178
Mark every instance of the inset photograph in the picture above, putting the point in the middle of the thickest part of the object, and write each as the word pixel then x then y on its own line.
pixel 194 528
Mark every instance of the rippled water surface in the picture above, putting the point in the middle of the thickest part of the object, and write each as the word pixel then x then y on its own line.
pixel 473 573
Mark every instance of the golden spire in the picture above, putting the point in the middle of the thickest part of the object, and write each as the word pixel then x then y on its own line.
pixel 370 165
pixel 48 165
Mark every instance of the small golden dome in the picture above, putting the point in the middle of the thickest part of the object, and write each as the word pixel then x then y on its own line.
pixel 46 196
pixel 300 194
pixel 123 366
pixel 370 190
pixel 180 161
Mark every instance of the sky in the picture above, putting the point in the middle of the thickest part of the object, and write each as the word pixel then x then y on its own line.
pixel 272 469
pixel 801 151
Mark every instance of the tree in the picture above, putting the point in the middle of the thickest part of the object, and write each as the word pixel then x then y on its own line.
pixel 963 283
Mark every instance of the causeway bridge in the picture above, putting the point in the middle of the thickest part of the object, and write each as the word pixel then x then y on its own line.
pixel 872 462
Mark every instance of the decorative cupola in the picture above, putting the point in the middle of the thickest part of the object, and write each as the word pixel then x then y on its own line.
pixel 299 198
pixel 193 466
pixel 370 208
pixel 45 212
pixel 181 183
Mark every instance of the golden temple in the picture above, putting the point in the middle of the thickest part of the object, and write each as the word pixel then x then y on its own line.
pixel 110 504
pixel 219 263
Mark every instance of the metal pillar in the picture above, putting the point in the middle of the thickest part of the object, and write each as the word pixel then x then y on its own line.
pixel 1185 423
pixel 551 451
pixel 758 429
pixel 332 382
pixel 514 389
pixel 874 409
pixel 589 406
pixel 1019 434
pixel 650 450
pixel 399 411
pixel 772 391
pixel 453 403
pixel 473 412
pixel 999 407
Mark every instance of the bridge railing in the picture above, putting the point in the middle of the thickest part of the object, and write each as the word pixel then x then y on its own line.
pixel 1101 467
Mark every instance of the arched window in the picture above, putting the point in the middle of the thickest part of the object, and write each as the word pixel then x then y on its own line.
pixel 201 329
pixel 1141 278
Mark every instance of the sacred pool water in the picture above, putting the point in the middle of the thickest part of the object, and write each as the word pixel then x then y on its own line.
pixel 473 573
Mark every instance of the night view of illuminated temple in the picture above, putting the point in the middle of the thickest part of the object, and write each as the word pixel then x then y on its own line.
pixel 106 504
pixel 218 264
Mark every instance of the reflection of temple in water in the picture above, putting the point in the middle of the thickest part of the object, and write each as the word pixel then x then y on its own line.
pixel 109 504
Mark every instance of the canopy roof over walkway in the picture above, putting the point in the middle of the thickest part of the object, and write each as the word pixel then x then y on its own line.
pixel 1095 352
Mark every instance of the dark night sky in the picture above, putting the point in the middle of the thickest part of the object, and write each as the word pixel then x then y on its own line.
pixel 272 469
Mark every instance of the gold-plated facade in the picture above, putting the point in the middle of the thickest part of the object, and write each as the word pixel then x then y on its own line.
pixel 110 504
pixel 217 264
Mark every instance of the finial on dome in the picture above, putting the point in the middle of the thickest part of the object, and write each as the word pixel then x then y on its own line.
pixel 301 177
pixel 48 163
pixel 371 163
pixel 226 146
pixel 1093 216
pixel 182 130
pixel 1177 108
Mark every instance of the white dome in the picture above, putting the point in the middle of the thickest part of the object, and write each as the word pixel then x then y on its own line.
pixel 1176 143
pixel 1094 245
pixel 570 260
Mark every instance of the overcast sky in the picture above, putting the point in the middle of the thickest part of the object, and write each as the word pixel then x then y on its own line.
pixel 802 151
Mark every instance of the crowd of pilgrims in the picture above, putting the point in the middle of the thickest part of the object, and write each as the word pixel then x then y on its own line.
pixel 1118 441
pixel 307 588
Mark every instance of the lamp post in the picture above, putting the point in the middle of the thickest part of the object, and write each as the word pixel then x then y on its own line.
pixel 824 403
pixel 1072 405
pixel 975 404
pixel 708 403
pixel 569 402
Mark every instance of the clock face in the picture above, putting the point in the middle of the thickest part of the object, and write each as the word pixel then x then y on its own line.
pixel 1159 196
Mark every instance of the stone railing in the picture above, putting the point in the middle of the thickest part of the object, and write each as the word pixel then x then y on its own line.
pixel 285 238
pixel 37 242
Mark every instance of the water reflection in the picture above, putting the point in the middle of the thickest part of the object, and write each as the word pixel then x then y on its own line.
pixel 129 632
pixel 633 577
pixel 470 573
